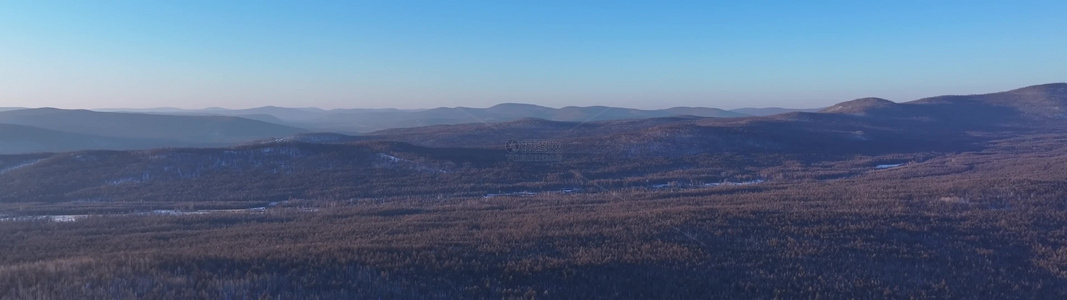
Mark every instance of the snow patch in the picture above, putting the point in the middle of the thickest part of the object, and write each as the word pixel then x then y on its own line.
pixel 158 212
pixel 735 182
pixel 67 218
pixel 511 194
pixel 19 166
pixel 52 218
pixel 887 166
pixel 396 162
pixel 388 157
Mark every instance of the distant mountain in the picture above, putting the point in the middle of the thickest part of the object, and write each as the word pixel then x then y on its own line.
pixel 369 120
pixel 512 111
pixel 475 156
pixel 281 113
pixel 862 106
pixel 868 123
pixel 1029 104
pixel 495 135
pixel 702 112
pixel 27 139
pixel 768 111
pixel 862 125
pixel 1039 101
pixel 156 110
pixel 193 129
pixel 49 129
pixel 263 117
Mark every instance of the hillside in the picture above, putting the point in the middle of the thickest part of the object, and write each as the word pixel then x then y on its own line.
pixel 1030 104
pixel 864 106
pixel 1047 101
pixel 769 111
pixel 67 130
pixel 26 139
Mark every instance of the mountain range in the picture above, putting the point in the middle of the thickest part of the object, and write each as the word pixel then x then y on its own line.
pixel 462 152
pixel 355 121
pixel 58 130
pixel 52 130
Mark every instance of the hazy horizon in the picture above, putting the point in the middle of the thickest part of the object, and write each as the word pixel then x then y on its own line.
pixel 831 103
pixel 427 54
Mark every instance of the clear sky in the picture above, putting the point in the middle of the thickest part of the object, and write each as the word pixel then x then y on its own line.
pixel 422 54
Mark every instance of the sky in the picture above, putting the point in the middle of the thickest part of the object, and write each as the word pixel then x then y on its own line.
pixel 425 54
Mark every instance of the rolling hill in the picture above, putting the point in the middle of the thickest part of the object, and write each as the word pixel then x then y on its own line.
pixel 768 111
pixel 49 129
pixel 369 120
pixel 463 153
pixel 27 139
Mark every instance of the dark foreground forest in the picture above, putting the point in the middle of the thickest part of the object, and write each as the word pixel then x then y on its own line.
pixel 961 198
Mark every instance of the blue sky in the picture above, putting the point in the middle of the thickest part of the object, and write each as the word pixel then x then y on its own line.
pixel 423 54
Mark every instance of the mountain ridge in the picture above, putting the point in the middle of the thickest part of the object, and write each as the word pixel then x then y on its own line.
pixel 480 127
pixel 64 130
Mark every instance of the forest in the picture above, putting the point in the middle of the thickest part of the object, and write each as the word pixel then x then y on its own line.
pixel 987 224
pixel 807 205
